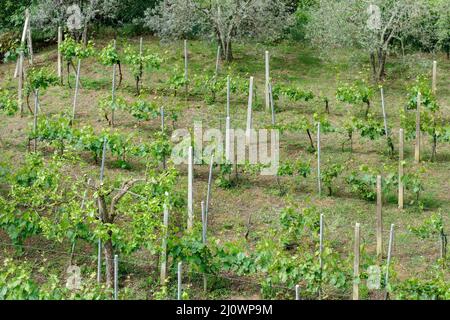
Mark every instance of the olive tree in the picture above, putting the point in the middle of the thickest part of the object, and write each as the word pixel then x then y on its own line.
pixel 224 20
pixel 372 25
pixel 47 15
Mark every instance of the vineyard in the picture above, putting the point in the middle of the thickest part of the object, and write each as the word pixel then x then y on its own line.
pixel 92 205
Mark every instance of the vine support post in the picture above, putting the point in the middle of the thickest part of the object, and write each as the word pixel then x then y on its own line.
pixel 77 87
pixel 417 144
pixel 356 254
pixel 388 262
pixel 60 40
pixel 272 106
pixel 186 67
pixel 401 188
pixel 36 110
pixel 102 167
pixel 161 111
pixel 204 231
pixel 190 221
pixel 266 86
pixel 99 261
pixel 179 289
pixel 208 193
pixel 20 88
pixel 217 62
pixel 22 41
pixel 321 252
pixel 164 245
pixel 249 111
pixel 228 96
pixel 113 93
pixel 319 182
pixel 379 231
pixel 116 277
pixel 434 83
pixel 30 46
pixel 297 292
pixel 383 106
pixel 228 140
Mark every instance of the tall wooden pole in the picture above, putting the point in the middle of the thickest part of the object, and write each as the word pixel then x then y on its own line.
pixel 391 241
pixel 186 66
pixel 20 89
pixel 179 280
pixel 164 246
pixel 379 220
pixel 434 84
pixel 77 88
pixel 30 46
pixel 228 96
pixel 266 87
pixel 249 110
pixel 190 221
pixel 208 193
pixel 319 182
pixel 23 39
pixel 217 62
pixel 401 188
pixel 356 279
pixel 417 146
pixel 36 110
pixel 113 90
pixel 60 39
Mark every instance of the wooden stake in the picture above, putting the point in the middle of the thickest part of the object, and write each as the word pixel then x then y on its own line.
pixel 99 261
pixel 102 167
pixel 164 246
pixel 356 279
pixel 190 222
pixel 417 146
pixel 434 84
pixel 228 140
pixel 391 241
pixel 272 106
pixel 384 113
pixel 217 62
pixel 36 110
pixel 23 39
pixel 249 110
pixel 116 277
pixel 186 65
pixel 379 221
pixel 204 228
pixel 60 40
pixel 319 182
pixel 401 188
pixel 321 243
pixel 266 87
pixel 20 89
pixel 297 292
pixel 30 45
pixel 179 280
pixel 113 93
pixel 77 86
pixel 208 193
pixel 228 96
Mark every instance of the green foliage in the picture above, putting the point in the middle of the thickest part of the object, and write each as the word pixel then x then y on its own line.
pixel 8 102
pixel 329 174
pixel 41 78
pixel 427 100
pixel 292 93
pixel 17 282
pixel 71 49
pixel 109 55
pixel 417 289
pixel 138 63
pixel 355 94
pixel 431 227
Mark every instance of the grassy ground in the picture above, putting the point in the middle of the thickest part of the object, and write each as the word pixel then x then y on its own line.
pixel 292 64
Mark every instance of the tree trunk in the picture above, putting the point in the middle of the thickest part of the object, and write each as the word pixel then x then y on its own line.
pixel 109 260
pixel 310 139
